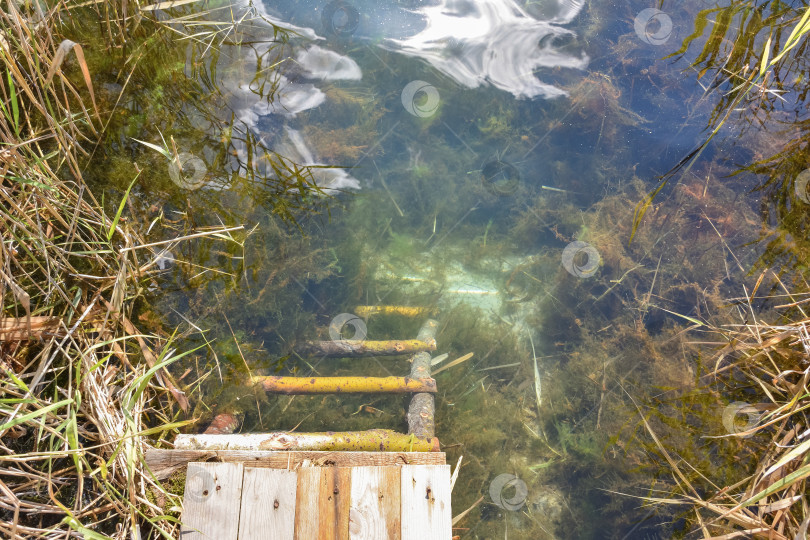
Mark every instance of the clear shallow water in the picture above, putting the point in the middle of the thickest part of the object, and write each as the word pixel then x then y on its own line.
pixel 485 158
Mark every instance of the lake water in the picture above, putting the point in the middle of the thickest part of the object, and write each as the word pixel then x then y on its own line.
pixel 483 159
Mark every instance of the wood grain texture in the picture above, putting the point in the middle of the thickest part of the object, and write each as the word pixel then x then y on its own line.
pixel 334 498
pixel 306 513
pixel 268 505
pixel 425 502
pixel 211 501
pixel 374 511
pixel 163 462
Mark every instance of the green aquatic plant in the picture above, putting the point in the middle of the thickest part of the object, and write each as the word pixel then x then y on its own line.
pixel 160 75
pixel 578 445
pixel 753 79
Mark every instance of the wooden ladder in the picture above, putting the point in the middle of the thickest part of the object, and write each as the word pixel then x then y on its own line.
pixel 372 484
pixel 420 416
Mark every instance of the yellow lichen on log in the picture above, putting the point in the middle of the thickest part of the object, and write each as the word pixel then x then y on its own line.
pixel 405 311
pixel 343 385
pixel 373 440
pixel 348 348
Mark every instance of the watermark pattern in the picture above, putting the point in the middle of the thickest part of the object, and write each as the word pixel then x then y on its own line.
pixel 188 171
pixel 800 186
pixel 200 485
pixel 501 484
pixel 420 99
pixel 337 324
pixel 571 259
pixel 500 177
pixel 653 26
pixel 164 260
pixel 732 411
pixel 340 18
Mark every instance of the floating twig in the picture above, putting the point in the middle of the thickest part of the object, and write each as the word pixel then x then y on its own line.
pixel 537 387
pixel 180 239
pixel 455 362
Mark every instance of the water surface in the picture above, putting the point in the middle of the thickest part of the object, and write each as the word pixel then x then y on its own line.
pixel 483 159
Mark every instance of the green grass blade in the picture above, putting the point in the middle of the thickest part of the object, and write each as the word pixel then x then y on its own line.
pixel 783 483
pixel 161 150
pixel 15 107
pixel 120 209
pixel 87 534
pixel 765 55
pixel 34 414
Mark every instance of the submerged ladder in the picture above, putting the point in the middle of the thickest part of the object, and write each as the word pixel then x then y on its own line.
pixel 372 484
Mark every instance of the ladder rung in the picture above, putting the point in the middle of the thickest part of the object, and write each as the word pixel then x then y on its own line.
pixel 344 385
pixel 373 440
pixel 349 348
pixel 405 311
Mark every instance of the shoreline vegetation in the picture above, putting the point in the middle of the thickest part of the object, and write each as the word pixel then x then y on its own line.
pixel 81 384
pixel 761 363
pixel 84 391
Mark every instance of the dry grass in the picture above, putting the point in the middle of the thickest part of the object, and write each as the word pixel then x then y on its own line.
pixel 771 361
pixel 78 379
pixel 767 362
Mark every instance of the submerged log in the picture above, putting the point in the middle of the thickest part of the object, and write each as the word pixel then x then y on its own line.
pixel 421 411
pixel 350 348
pixel 373 440
pixel 421 415
pixel 343 385
pixel 223 424
pixel 405 311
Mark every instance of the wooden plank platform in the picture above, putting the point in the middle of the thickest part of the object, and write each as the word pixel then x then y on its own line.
pixel 229 501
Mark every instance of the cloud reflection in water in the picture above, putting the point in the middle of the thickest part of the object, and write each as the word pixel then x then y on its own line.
pixel 478 42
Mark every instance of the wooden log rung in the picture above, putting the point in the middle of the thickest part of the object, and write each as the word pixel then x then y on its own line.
pixel 349 348
pixel 344 385
pixel 404 311
pixel 372 440
pixel 422 410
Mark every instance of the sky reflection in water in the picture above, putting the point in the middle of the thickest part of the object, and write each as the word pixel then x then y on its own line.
pixel 473 42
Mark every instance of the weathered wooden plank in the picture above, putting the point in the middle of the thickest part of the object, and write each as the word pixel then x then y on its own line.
pixel 306 512
pixel 163 462
pixel 374 512
pixel 425 502
pixel 322 512
pixel 334 498
pixel 268 505
pixel 389 500
pixel 211 501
